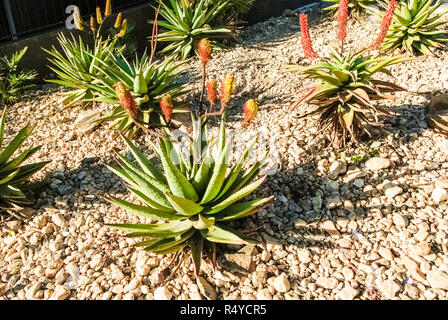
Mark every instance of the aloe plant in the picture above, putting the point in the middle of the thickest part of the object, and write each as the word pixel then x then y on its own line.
pixel 415 26
pixel 77 65
pixel 193 197
pixel 13 172
pixel 145 81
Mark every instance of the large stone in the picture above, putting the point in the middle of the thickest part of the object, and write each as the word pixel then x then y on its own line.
pixel 206 288
pixel 438 279
pixel 86 121
pixel 377 163
pixel 338 167
pixel 438 113
pixel 240 261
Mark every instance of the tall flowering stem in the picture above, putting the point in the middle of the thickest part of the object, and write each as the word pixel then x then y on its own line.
pixel 385 24
pixel 305 38
pixel 205 52
pixel 228 87
pixel 342 21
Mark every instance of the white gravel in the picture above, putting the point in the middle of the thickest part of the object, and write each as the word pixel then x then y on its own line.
pixel 339 228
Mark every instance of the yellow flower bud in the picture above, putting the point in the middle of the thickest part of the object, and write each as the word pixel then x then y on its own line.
pixel 99 16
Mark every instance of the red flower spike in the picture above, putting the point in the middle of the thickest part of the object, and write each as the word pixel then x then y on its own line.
pixel 212 92
pixel 250 111
pixel 167 107
pixel 387 19
pixel 126 100
pixel 227 89
pixel 205 50
pixel 342 19
pixel 305 38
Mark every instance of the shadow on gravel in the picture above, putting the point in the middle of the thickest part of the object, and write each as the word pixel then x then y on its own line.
pixel 88 182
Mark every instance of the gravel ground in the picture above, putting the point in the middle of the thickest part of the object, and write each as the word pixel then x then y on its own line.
pixel 340 227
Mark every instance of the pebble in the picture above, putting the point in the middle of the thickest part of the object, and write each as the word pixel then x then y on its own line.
pixel 421 248
pixel 327 282
pixel 59 220
pixel 304 255
pixel 162 293
pixel 348 293
pixel 386 253
pixel 391 190
pixel 281 283
pixel 330 228
pixel 439 195
pixel 438 279
pixel 400 220
pixel 377 163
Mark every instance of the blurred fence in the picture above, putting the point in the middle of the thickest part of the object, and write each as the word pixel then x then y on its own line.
pixel 22 18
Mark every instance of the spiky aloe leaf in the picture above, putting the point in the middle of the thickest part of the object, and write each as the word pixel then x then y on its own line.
pixel 235 197
pixel 241 210
pixel 144 211
pixel 220 234
pixel 183 206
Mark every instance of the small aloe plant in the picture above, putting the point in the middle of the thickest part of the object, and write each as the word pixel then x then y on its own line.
pixel 193 197
pixel 12 171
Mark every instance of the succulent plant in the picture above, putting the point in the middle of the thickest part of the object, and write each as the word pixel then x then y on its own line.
pixel 356 7
pixel 143 82
pixel 414 27
pixel 12 80
pixel 187 22
pixel 77 66
pixel 193 197
pixel 13 172
pixel 345 91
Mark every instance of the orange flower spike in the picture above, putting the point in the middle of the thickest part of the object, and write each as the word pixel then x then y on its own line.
pixel 108 9
pixel 385 24
pixel 124 27
pixel 205 50
pixel 342 20
pixel 305 38
pixel 250 111
pixel 212 92
pixel 167 107
pixel 92 24
pixel 228 87
pixel 118 21
pixel 126 100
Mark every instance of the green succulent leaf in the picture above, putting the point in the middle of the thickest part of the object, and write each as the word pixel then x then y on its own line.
pixel 183 206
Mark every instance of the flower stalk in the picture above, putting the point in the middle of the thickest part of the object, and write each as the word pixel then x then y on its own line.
pixel 385 24
pixel 305 38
